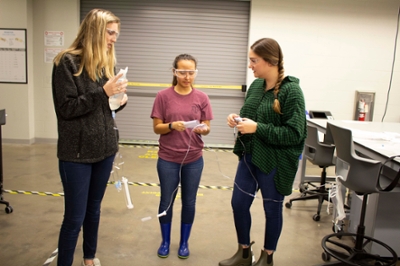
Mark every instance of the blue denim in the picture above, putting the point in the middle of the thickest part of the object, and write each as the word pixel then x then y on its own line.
pixel 84 186
pixel 170 176
pixel 246 184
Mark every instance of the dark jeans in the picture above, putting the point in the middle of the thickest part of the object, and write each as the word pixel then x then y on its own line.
pixel 189 177
pixel 241 202
pixel 84 186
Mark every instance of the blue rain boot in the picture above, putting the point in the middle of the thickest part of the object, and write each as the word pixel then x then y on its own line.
pixel 183 252
pixel 163 250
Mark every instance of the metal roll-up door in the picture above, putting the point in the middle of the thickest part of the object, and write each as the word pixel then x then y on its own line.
pixel 154 32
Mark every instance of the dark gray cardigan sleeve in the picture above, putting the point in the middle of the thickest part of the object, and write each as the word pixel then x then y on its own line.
pixel 75 96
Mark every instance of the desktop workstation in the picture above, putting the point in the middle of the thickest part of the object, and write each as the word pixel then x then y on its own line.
pixel 377 141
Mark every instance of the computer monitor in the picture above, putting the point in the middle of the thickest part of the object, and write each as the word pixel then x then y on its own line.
pixel 320 114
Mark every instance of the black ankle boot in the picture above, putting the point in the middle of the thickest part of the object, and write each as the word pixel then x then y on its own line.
pixel 238 258
pixel 265 259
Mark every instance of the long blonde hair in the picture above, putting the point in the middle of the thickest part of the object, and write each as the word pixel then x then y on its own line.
pixel 90 44
pixel 271 52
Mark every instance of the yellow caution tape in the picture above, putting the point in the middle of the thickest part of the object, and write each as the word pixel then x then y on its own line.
pixel 142 184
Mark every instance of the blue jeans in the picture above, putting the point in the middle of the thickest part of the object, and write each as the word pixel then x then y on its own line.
pixel 189 177
pixel 241 202
pixel 84 186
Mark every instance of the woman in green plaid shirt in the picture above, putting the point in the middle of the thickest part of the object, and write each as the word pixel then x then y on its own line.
pixel 271 135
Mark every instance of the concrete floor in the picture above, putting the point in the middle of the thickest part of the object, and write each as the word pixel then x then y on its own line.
pixel 32 185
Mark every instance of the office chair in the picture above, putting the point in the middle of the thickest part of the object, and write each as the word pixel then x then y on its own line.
pixel 363 176
pixel 320 154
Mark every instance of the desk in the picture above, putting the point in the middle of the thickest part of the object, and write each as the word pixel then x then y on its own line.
pixel 369 137
pixel 377 141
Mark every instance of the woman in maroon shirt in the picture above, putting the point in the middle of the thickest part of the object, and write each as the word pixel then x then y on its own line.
pixel 180 156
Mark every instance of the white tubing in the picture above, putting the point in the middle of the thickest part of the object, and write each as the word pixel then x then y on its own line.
pixel 127 194
pixel 162 214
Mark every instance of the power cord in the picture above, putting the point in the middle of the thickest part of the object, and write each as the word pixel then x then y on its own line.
pixel 180 171
pixel 255 180
pixel 393 63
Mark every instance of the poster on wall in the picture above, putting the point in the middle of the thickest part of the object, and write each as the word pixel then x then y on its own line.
pixel 53 38
pixel 50 53
pixel 13 56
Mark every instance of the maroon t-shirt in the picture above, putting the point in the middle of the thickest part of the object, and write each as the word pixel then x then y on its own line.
pixel 169 106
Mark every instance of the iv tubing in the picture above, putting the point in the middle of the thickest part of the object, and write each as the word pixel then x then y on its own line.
pixel 127 194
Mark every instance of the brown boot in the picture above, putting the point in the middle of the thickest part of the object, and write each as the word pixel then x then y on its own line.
pixel 265 259
pixel 237 259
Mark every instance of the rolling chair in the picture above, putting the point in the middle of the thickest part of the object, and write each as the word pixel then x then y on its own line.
pixel 363 176
pixel 320 154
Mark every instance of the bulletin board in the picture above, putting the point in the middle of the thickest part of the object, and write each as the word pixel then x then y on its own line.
pixel 13 56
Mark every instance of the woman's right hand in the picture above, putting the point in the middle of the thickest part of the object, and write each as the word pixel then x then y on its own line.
pixel 231 120
pixel 178 125
pixel 113 86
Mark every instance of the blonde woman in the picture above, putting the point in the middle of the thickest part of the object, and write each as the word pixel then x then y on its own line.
pixel 83 80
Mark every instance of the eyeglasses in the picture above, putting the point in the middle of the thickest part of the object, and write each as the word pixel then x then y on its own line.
pixel 113 33
pixel 253 61
pixel 182 73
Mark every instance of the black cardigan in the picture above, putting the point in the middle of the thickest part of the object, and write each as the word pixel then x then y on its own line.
pixel 86 130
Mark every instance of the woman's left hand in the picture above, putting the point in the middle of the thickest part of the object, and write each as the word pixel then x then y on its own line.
pixel 247 126
pixel 113 86
pixel 201 129
pixel 124 99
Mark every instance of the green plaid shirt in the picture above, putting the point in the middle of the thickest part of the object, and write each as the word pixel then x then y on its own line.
pixel 279 139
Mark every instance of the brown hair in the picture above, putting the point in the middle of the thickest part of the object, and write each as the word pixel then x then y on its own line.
pixel 175 64
pixel 90 44
pixel 271 52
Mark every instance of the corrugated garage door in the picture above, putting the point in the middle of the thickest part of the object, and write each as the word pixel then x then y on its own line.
pixel 154 32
